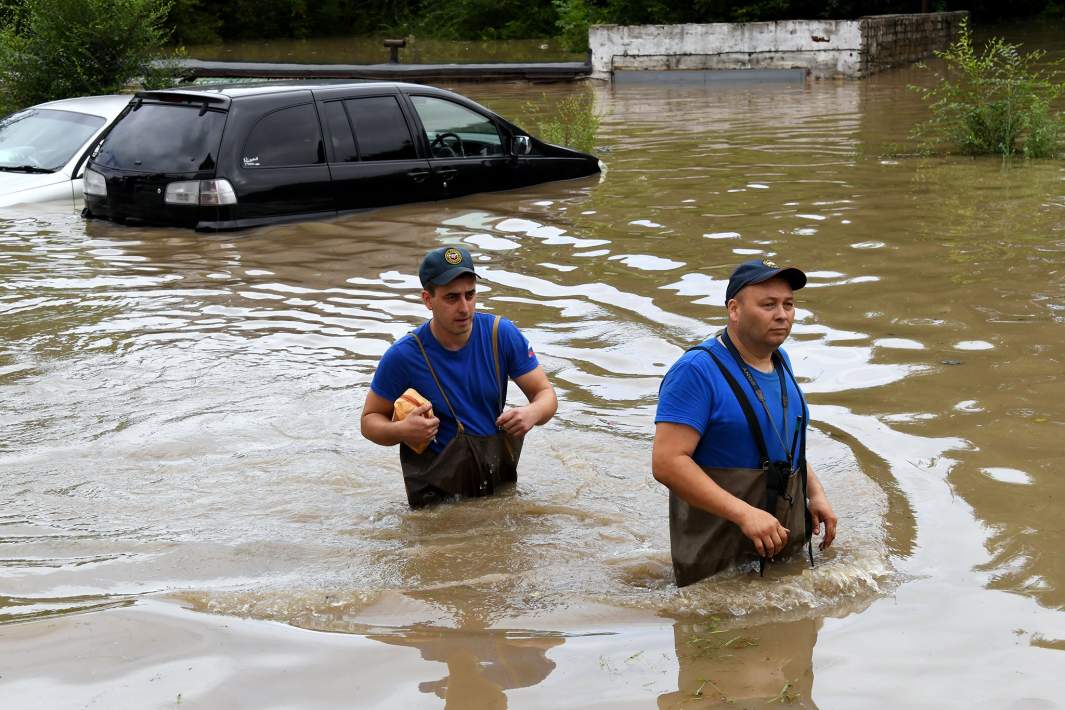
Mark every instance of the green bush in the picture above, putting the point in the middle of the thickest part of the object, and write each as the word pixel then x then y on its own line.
pixel 996 102
pixel 572 123
pixel 574 19
pixel 11 12
pixel 194 22
pixel 64 48
pixel 486 19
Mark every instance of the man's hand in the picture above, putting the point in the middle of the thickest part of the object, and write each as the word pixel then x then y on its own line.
pixel 764 530
pixel 420 426
pixel 821 511
pixel 517 421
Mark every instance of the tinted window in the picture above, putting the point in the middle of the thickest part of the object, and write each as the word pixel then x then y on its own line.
pixel 456 131
pixel 336 119
pixel 164 138
pixel 290 136
pixel 44 138
pixel 380 130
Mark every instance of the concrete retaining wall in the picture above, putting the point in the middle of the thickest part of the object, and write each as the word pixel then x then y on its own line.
pixel 826 48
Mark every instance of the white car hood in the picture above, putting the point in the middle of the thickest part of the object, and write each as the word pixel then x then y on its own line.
pixel 22 188
pixel 17 182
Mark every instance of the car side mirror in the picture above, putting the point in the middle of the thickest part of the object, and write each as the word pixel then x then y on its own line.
pixel 521 145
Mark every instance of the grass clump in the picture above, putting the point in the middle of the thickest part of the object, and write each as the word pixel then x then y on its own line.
pixel 699 692
pixel 571 123
pixel 995 101
pixel 786 696
pixel 712 641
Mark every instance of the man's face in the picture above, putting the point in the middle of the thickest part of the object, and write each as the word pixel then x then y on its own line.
pixel 762 314
pixel 453 305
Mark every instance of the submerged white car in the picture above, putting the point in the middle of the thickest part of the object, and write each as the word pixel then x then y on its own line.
pixel 43 149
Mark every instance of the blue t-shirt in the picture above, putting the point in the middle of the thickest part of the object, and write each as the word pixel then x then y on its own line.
pixel 695 393
pixel 468 374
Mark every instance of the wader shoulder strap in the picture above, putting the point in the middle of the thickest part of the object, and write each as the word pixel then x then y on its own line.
pixel 802 462
pixel 745 405
pixel 458 422
pixel 500 381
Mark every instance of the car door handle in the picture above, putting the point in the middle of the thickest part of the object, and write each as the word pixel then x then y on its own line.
pixel 447 173
pixel 418 175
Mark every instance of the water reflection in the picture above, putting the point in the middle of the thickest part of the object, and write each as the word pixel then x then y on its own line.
pixel 481 665
pixel 369 50
pixel 755 666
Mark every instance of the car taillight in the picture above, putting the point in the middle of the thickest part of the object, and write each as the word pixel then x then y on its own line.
pixel 217 192
pixel 200 192
pixel 93 183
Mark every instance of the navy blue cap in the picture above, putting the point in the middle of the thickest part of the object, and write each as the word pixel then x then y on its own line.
pixel 756 271
pixel 444 265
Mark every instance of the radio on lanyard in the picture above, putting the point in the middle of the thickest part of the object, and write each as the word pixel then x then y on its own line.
pixel 779 367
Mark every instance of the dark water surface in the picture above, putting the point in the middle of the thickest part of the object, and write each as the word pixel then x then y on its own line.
pixel 371 50
pixel 180 419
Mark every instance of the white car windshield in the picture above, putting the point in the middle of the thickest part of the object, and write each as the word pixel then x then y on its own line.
pixel 43 140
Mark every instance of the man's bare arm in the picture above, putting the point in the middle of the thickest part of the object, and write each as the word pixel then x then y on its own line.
pixel 674 467
pixel 820 510
pixel 517 421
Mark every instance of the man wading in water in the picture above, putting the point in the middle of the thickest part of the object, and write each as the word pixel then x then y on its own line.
pixel 461 362
pixel 730 437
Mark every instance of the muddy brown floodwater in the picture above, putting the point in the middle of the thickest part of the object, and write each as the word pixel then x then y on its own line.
pixel 190 516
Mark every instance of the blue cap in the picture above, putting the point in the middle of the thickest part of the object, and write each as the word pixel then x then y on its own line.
pixel 444 265
pixel 756 271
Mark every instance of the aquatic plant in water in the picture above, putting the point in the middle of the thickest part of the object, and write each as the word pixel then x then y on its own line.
pixel 572 123
pixel 997 101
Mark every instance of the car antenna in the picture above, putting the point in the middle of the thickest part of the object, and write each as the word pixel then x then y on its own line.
pixel 203 109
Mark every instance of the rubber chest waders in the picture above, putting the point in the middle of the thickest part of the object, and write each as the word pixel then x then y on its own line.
pixel 703 544
pixel 470 466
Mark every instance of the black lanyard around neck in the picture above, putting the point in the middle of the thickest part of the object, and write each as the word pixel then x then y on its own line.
pixel 778 365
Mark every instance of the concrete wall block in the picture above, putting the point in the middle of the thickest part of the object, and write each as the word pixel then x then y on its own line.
pixel 851 48
pixel 893 40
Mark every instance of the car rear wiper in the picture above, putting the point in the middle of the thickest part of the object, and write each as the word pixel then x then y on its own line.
pixel 25 169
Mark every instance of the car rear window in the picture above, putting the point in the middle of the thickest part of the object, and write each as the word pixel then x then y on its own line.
pixel 340 133
pixel 380 130
pixel 164 138
pixel 288 137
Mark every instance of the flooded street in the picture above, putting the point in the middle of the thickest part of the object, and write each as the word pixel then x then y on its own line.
pixel 190 515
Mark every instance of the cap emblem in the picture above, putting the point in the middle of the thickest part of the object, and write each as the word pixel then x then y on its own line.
pixel 453 256
pixel 770 264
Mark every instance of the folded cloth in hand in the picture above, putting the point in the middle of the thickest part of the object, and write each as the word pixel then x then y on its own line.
pixel 407 403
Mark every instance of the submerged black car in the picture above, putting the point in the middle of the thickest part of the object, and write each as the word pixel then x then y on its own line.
pixel 242 157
